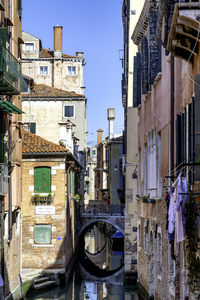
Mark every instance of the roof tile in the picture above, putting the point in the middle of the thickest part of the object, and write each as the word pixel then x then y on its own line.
pixel 45 91
pixel 33 143
pixel 47 53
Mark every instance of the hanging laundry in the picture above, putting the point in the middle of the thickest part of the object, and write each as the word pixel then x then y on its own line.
pixel 178 212
pixel 171 218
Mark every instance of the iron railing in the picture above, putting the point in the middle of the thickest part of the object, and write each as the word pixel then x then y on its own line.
pixel 11 80
pixel 103 209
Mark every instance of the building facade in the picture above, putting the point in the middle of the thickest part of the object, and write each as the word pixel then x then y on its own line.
pixel 50 178
pixel 130 14
pixel 57 70
pixel 57 115
pixel 11 83
pixel 166 91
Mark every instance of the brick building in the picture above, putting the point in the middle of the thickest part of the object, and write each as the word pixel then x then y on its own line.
pixel 50 177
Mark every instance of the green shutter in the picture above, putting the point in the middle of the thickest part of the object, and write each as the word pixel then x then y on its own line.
pixel 32 127
pixel 46 180
pixel 19 8
pixel 42 180
pixel 3 36
pixel 42 234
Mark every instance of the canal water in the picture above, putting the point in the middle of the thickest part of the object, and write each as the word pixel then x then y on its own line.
pixel 86 289
pixel 102 255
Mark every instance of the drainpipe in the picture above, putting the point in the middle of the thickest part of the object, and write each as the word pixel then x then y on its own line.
pixel 172 114
pixel 10 179
pixel 10 144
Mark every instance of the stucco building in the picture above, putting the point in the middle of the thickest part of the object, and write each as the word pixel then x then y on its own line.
pixel 130 14
pixel 166 87
pixel 55 114
pixel 91 163
pixel 55 69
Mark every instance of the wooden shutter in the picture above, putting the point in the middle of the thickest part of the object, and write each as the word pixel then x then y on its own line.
pixel 42 180
pixel 33 127
pixel 42 234
pixel 144 65
pixel 3 36
pixel 154 48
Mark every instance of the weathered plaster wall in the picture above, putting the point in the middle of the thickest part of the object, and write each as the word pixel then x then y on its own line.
pixel 51 112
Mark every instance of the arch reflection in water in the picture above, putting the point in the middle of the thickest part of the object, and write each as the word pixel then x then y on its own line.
pixel 83 288
pixel 104 247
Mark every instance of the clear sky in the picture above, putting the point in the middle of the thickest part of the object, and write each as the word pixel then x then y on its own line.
pixel 94 27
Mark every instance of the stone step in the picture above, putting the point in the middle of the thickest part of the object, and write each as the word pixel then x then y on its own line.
pixel 41 279
pixel 44 284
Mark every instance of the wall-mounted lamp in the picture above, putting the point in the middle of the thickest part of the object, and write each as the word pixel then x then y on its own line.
pixel 134 175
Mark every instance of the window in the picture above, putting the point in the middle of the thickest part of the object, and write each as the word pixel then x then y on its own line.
pixel 139 172
pixel 43 70
pixel 71 70
pixel 42 234
pixel 159 253
pixel 42 180
pixel 19 8
pixel 93 152
pixel 159 167
pixel 145 171
pixel 3 140
pixel 29 47
pixel 68 111
pixel 32 127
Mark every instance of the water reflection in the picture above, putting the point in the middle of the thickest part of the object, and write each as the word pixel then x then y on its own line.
pixel 104 246
pixel 81 289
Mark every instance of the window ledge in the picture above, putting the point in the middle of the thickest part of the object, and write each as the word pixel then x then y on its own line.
pixel 43 245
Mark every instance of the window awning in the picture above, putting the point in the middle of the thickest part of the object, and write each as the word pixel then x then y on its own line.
pixel 9 107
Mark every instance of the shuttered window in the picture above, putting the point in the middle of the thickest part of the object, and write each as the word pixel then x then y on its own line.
pixel 19 8
pixel 154 48
pixel 69 111
pixel 42 234
pixel 3 144
pixel 3 36
pixel 144 65
pixel 137 80
pixel 42 180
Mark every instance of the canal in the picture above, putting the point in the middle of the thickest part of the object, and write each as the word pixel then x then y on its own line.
pixel 81 288
pixel 98 273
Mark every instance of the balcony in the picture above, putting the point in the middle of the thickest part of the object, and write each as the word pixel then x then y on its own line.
pixel 185 30
pixel 11 80
pixel 3 179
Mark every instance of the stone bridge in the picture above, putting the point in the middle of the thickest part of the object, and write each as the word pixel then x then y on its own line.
pixel 110 214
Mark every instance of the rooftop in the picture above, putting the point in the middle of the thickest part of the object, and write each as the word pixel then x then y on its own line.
pixel 45 91
pixel 33 144
pixel 48 53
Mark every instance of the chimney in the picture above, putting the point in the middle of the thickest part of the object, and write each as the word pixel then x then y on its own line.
pixel 99 136
pixel 57 41
pixel 80 54
pixel 111 117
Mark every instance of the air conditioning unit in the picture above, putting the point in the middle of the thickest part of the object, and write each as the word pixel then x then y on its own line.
pixel 3 179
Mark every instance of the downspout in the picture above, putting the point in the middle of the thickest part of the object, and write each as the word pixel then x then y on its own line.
pixel 172 114
pixel 10 144
pixel 10 179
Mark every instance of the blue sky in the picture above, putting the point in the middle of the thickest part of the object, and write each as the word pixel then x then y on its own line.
pixel 94 27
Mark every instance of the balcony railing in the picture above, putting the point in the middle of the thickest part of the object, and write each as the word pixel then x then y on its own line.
pixel 11 80
pixel 3 179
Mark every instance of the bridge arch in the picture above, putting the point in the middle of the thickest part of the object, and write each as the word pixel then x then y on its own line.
pixel 89 223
